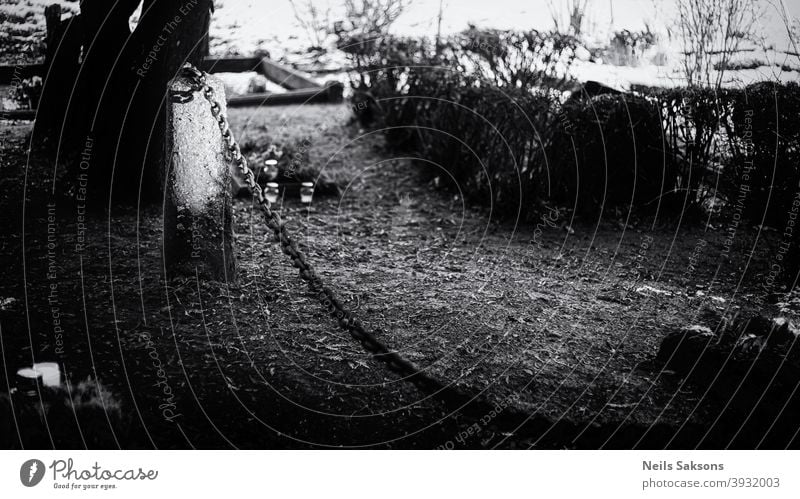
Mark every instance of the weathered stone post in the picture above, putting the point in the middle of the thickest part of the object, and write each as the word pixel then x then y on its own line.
pixel 198 234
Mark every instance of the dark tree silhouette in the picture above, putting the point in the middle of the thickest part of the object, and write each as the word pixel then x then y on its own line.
pixel 121 91
pixel 62 57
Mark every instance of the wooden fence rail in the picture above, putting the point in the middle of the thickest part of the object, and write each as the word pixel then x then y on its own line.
pixel 301 88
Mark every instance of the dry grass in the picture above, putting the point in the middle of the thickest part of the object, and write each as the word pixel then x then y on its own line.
pixel 560 323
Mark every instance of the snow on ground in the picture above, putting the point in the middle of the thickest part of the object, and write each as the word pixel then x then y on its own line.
pixel 622 77
pixel 247 82
pixel 244 26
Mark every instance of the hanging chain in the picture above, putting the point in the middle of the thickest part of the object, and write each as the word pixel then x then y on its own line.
pixel 326 296
pixel 472 407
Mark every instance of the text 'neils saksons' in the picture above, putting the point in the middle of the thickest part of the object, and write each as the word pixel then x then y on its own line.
pixel 681 466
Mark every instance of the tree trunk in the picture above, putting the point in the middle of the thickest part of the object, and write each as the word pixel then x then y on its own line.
pixel 169 34
pixel 62 60
pixel 124 83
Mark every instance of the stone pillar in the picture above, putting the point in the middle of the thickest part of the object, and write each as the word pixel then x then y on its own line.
pixel 198 233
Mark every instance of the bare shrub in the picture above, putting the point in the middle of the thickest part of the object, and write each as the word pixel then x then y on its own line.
pixel 627 48
pixel 314 20
pixel 521 59
pixel 711 32
pixel 372 17
pixel 568 15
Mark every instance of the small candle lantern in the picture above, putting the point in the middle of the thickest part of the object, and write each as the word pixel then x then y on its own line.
pixel 270 169
pixel 51 373
pixel 306 192
pixel 44 374
pixel 271 193
pixel 29 381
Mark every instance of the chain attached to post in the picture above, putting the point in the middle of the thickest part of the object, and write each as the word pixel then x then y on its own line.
pixel 326 296
pixel 471 407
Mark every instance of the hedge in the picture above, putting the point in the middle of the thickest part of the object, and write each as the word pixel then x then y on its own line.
pixel 516 147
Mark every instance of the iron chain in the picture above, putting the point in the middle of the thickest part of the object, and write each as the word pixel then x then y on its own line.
pixel 326 296
pixel 472 407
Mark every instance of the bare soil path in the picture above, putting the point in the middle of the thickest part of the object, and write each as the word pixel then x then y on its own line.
pixel 560 322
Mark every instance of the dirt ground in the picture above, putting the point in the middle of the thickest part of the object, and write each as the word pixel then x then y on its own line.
pixel 559 320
